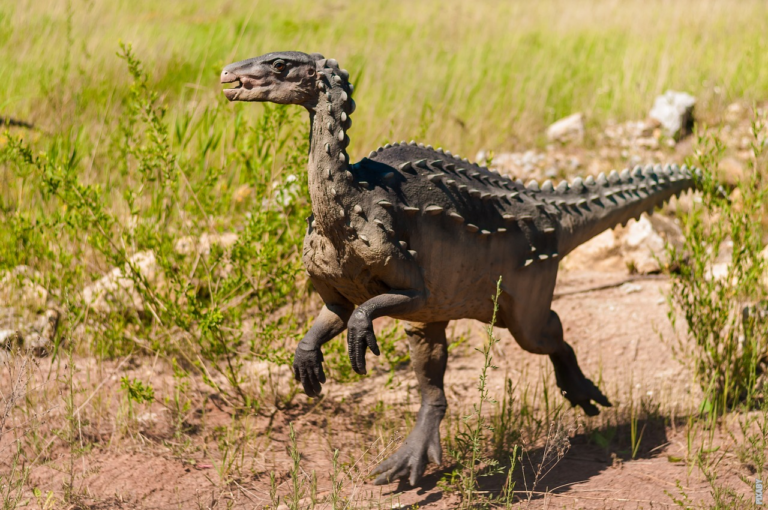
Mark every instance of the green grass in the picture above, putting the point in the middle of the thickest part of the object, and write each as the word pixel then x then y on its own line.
pixel 458 74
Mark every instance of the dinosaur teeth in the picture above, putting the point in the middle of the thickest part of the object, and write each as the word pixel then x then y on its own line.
pixel 456 217
pixel 547 187
pixel 484 233
pixel 501 230
pixel 450 182
pixel 411 210
pixel 577 184
pixel 413 253
pixel 404 245
pixel 625 177
pixel 472 228
pixel 485 196
pixel 614 177
pixel 380 223
pixel 385 203
pixel 358 209
pixel 590 181
pixel 543 256
pixel 508 217
pixel 474 192
pixel 364 238
pixel 363 184
pixel 533 185
pixel 433 209
pixel 328 148
pixel 528 262
pixel 602 180
pixel 562 187
pixel 328 173
pixel 549 230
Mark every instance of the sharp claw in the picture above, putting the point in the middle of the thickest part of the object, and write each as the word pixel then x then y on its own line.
pixel 589 409
pixel 296 373
pixel 373 346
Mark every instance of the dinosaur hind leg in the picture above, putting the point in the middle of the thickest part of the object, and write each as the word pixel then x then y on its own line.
pixel 541 332
pixel 429 356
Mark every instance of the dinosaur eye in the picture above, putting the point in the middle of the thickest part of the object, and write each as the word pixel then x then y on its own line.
pixel 278 65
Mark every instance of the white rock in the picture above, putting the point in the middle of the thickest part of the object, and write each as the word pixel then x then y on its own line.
pixel 641 245
pixel 630 288
pixel 192 245
pixel 18 287
pixel 674 110
pixel 116 290
pixel 568 128
pixel 10 338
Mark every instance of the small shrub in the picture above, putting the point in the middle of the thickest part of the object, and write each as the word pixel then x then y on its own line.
pixel 725 351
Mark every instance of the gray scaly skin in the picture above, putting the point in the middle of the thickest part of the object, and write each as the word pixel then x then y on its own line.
pixel 423 235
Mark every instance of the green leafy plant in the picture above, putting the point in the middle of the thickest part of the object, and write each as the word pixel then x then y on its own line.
pixel 726 350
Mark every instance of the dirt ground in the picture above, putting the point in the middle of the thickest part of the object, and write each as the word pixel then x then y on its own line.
pixel 621 335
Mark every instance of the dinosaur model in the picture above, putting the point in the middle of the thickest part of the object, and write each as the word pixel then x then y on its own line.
pixel 422 235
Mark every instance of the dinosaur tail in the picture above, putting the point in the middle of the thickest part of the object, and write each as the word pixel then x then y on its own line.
pixel 591 206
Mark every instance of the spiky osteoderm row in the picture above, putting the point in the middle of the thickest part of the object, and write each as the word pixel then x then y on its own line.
pixel 555 219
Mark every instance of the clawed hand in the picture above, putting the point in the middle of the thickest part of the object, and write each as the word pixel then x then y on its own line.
pixel 308 368
pixel 359 337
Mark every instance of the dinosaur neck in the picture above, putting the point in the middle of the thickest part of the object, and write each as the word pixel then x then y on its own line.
pixel 329 176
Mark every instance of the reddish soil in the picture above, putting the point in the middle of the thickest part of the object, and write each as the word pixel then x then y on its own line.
pixel 616 332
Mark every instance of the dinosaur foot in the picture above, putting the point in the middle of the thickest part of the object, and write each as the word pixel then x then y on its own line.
pixel 577 389
pixel 420 447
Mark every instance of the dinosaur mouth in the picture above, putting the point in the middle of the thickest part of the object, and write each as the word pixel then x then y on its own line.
pixel 232 93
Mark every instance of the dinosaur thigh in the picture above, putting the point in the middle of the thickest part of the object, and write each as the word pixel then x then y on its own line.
pixel 525 307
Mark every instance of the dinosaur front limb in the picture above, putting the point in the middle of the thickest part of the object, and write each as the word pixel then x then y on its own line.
pixel 429 356
pixel 308 360
pixel 360 324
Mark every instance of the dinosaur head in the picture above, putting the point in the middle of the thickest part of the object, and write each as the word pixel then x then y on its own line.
pixel 286 77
